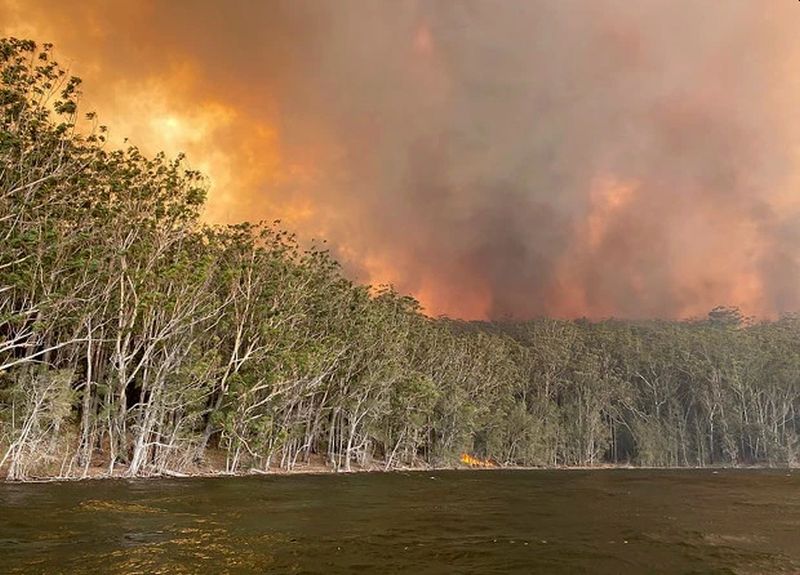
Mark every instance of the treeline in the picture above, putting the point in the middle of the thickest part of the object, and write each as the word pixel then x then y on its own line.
pixel 136 338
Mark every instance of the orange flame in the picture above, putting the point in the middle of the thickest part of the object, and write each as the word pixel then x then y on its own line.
pixel 467 459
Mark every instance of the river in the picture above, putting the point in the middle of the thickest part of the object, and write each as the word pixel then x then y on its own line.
pixel 605 521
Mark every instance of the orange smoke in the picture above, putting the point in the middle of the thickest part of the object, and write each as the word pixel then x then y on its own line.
pixel 423 41
pixel 493 160
pixel 608 197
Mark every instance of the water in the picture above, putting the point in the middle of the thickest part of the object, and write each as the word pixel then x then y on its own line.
pixel 625 521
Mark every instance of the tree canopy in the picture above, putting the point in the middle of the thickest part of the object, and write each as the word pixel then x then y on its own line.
pixel 136 338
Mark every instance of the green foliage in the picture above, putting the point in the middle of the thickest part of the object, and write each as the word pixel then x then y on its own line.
pixel 144 339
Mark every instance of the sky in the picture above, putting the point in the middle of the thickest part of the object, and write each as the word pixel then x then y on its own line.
pixel 497 159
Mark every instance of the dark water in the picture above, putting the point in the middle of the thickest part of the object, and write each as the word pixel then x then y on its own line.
pixel 630 521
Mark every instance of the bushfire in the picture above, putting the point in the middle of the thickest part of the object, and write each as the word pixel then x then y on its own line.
pixel 467 459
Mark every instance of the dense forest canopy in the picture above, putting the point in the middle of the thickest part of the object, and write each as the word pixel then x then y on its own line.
pixel 137 338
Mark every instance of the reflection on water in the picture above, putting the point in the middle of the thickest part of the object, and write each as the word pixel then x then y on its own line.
pixel 631 521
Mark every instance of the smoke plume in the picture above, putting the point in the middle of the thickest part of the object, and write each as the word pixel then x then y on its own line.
pixel 496 159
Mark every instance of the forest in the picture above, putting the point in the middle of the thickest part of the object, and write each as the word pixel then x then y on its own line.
pixel 137 339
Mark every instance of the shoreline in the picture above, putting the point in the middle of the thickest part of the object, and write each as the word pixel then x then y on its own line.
pixel 211 474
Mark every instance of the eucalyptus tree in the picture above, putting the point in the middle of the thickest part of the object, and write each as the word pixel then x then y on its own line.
pixel 134 337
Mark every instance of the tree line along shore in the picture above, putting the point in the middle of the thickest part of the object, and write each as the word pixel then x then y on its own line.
pixel 137 340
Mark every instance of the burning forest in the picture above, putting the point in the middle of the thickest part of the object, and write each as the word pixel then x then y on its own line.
pixel 517 235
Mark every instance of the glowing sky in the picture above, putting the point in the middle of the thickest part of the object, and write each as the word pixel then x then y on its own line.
pixel 493 158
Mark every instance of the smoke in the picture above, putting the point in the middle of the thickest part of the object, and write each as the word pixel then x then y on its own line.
pixel 496 159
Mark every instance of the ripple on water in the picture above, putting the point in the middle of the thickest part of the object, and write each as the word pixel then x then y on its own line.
pixel 520 522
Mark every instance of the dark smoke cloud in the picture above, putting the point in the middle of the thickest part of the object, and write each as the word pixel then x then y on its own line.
pixel 497 159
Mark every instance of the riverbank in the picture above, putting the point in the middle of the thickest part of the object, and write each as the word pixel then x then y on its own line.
pixel 213 465
pixel 316 468
pixel 96 473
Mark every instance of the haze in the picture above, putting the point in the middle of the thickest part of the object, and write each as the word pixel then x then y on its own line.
pixel 495 159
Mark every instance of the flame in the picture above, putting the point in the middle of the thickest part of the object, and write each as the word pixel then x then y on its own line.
pixel 467 459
